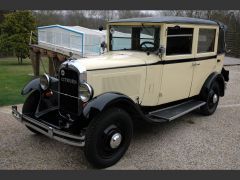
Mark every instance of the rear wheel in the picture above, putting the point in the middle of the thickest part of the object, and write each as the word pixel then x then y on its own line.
pixel 108 137
pixel 212 99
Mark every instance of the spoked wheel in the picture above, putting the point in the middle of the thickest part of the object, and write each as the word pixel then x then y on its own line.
pixel 212 99
pixel 108 137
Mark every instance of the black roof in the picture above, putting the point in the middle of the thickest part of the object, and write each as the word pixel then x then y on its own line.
pixel 168 19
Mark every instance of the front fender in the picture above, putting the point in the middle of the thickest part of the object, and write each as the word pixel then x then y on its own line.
pixel 103 101
pixel 32 85
pixel 35 85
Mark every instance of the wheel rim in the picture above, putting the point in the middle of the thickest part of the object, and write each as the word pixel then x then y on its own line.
pixel 116 140
pixel 111 140
pixel 215 98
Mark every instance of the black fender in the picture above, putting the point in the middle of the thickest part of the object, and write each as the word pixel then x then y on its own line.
pixel 31 103
pixel 225 74
pixel 211 78
pixel 36 102
pixel 32 85
pixel 110 99
pixel 35 85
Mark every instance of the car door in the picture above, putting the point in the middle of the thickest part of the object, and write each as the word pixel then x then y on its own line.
pixel 206 59
pixel 177 69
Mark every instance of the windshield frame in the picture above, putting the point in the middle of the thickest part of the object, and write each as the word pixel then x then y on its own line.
pixel 157 34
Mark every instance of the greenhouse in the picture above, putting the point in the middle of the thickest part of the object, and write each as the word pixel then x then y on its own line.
pixel 80 40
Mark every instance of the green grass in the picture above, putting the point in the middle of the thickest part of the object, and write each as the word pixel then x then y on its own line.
pixel 13 77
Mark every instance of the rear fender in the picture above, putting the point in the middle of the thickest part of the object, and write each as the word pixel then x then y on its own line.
pixel 211 78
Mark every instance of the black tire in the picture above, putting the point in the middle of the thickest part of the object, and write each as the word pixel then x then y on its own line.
pixel 98 135
pixel 210 107
pixel 33 130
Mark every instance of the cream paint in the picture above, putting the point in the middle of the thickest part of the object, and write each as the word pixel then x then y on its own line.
pixel 129 81
pixel 115 59
pixel 176 82
pixel 205 67
pixel 152 84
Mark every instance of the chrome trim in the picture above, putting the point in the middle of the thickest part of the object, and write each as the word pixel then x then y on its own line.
pixel 115 140
pixel 49 131
pixel 90 89
pixel 76 64
pixel 48 80
pixel 215 98
pixel 65 94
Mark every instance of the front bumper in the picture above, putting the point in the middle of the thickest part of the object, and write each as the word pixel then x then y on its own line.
pixel 47 130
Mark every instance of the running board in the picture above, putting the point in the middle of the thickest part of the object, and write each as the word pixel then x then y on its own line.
pixel 173 112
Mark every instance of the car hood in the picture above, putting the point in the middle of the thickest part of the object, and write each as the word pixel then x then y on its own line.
pixel 112 60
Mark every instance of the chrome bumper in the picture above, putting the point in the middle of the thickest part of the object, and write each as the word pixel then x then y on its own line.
pixel 49 131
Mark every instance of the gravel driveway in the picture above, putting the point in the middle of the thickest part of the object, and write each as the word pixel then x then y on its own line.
pixel 191 142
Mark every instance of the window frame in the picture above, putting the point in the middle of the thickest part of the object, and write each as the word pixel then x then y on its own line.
pixel 179 56
pixel 204 54
pixel 159 25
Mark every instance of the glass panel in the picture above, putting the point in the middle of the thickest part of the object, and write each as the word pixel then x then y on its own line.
pixel 134 38
pixel 147 35
pixel 179 41
pixel 206 40
pixel 121 37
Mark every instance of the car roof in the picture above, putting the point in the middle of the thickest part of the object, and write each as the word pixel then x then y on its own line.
pixel 167 19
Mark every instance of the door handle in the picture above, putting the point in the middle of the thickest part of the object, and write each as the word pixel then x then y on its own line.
pixel 195 63
pixel 218 60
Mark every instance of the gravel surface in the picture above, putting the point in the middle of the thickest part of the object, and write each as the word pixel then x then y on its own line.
pixel 191 142
pixel 231 61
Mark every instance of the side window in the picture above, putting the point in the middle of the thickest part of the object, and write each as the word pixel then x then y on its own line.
pixel 206 40
pixel 121 37
pixel 179 41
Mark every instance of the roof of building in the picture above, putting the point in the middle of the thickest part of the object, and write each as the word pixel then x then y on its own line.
pixel 76 29
pixel 168 19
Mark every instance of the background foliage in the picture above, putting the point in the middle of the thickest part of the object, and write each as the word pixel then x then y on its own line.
pixel 16 28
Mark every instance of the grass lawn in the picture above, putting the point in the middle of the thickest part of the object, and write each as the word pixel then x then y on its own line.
pixel 13 77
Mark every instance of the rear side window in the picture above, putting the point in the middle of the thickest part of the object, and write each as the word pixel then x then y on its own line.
pixel 206 40
pixel 179 41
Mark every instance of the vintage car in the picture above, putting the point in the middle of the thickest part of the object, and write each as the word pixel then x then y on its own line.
pixel 152 69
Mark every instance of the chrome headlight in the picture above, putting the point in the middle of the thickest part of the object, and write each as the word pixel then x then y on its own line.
pixel 44 82
pixel 85 92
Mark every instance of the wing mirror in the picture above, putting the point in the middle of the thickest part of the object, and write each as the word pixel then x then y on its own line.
pixel 161 51
pixel 103 46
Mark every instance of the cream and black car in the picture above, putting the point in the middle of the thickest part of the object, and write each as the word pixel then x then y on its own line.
pixel 152 69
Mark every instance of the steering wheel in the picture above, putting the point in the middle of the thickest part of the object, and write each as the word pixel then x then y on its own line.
pixel 144 46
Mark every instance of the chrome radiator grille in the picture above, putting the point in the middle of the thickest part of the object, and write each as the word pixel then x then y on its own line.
pixel 68 87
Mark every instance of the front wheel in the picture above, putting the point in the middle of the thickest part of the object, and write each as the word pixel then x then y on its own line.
pixel 212 99
pixel 108 137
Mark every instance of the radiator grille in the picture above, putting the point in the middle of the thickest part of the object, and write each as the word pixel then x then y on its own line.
pixel 68 88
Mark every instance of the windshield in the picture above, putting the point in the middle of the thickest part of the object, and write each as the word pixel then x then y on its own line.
pixel 144 38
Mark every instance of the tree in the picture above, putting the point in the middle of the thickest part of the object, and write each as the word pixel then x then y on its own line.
pixel 15 33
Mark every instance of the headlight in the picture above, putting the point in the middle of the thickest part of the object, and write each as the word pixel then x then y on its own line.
pixel 44 82
pixel 85 92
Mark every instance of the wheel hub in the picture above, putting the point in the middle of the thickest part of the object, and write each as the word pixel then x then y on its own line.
pixel 116 140
pixel 215 98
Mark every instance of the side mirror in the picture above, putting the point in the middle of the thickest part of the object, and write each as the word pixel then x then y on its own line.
pixel 161 50
pixel 103 46
pixel 100 28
